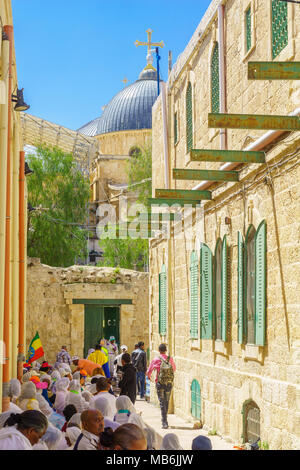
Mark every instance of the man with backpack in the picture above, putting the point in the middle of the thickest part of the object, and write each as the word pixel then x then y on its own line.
pixel 165 368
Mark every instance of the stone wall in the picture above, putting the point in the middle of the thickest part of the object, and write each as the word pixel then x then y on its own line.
pixel 51 312
pixel 230 374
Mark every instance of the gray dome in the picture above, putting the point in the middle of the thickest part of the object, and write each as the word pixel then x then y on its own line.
pixel 130 109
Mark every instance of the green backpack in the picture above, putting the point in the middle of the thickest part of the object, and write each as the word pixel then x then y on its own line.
pixel 166 373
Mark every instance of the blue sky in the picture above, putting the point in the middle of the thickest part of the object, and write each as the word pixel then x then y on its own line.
pixel 72 55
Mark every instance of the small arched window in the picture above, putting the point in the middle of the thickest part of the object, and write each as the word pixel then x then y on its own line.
pixel 251 414
pixel 280 35
pixel 215 81
pixel 189 117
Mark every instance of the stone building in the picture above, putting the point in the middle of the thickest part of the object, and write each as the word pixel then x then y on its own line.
pixel 77 306
pixel 224 291
pixel 12 212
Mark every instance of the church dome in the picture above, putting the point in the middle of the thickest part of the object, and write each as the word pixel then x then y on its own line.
pixel 130 109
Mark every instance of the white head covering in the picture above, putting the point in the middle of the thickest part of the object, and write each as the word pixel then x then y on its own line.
pixel 87 395
pixel 124 403
pixel 76 375
pixel 66 367
pixel 63 372
pixel 62 385
pixel 75 386
pixel 14 388
pixel 76 419
pixel 102 404
pixel 73 433
pixel 151 439
pixel 52 437
pixel 90 351
pixel 55 375
pixel 27 376
pixel 75 398
pixel 123 347
pixel 28 391
pixel 171 442
pixel 75 358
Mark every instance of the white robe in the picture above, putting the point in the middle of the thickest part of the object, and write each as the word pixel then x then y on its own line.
pixel 12 439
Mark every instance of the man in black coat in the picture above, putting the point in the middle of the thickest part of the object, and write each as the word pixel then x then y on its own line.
pixel 139 361
pixel 128 383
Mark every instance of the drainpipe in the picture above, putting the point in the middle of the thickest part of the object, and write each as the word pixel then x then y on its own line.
pixel 256 146
pixel 3 163
pixel 21 357
pixel 6 333
pixel 15 252
pixel 165 130
pixel 222 72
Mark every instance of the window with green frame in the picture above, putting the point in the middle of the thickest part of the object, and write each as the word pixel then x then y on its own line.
pixel 280 35
pixel 194 290
pixel 214 291
pixel 215 81
pixel 248 28
pixel 189 117
pixel 252 286
pixel 175 128
pixel 163 301
pixel 196 399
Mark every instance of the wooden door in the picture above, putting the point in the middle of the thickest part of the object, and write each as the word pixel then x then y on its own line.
pixel 93 326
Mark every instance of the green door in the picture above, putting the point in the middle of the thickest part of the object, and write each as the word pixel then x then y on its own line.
pixel 93 326
pixel 111 322
pixel 196 399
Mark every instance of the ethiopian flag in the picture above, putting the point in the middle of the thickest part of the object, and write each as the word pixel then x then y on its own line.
pixel 35 350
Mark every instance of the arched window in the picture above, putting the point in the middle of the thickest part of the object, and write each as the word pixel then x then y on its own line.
pixel 280 35
pixel 215 81
pixel 189 117
pixel 163 301
pixel 196 399
pixel 251 425
pixel 134 151
pixel 194 290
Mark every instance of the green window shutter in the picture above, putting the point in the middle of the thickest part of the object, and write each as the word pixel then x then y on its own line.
pixel 260 284
pixel 175 129
pixel 163 301
pixel 194 295
pixel 248 28
pixel 215 81
pixel 224 290
pixel 206 292
pixel 241 292
pixel 189 118
pixel 280 35
pixel 196 399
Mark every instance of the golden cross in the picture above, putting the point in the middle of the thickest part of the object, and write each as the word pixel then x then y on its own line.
pixel 125 81
pixel 149 43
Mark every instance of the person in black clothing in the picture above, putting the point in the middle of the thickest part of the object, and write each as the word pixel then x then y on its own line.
pixel 139 361
pixel 128 383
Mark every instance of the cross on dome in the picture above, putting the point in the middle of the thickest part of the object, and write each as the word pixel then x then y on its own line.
pixel 149 44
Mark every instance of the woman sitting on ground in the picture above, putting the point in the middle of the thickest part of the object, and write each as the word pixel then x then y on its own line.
pixel 126 412
pixel 102 404
pixel 171 442
pixel 75 398
pixel 68 412
pixel 126 437
pixel 22 431
pixel 27 399
pixel 61 394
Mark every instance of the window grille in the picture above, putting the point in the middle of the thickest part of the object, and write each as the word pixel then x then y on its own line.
pixel 248 29
pixel 189 118
pixel 279 26
pixel 175 129
pixel 215 81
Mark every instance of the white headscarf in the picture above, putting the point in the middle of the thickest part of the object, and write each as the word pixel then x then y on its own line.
pixel 66 367
pixel 76 375
pixel 151 439
pixel 171 442
pixel 76 398
pixel 73 433
pixel 63 372
pixel 62 384
pixel 75 419
pixel 52 437
pixel 124 403
pixel 87 395
pixel 28 391
pixel 90 351
pixel 27 376
pixel 55 375
pixel 102 404
pixel 14 388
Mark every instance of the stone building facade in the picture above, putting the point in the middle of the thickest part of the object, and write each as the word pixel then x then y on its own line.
pixel 60 301
pixel 224 292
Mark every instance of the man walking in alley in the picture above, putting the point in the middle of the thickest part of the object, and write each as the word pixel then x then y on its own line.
pixel 165 368
pixel 139 361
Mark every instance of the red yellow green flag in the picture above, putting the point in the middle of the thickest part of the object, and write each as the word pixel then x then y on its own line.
pixel 35 350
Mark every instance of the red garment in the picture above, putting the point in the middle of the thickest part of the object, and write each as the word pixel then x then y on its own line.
pixel 156 363
pixel 64 428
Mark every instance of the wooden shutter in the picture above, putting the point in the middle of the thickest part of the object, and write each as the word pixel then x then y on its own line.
pixel 196 399
pixel 224 290
pixel 189 118
pixel 206 292
pixel 163 301
pixel 260 284
pixel 241 292
pixel 194 295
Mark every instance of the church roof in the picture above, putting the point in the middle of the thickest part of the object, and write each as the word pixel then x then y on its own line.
pixel 130 109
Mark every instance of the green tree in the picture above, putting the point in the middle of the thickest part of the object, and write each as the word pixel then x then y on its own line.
pixel 132 253
pixel 60 193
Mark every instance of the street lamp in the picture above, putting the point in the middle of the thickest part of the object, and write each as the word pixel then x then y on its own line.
pixel 19 99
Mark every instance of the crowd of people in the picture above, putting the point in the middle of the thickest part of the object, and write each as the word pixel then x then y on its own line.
pixel 88 404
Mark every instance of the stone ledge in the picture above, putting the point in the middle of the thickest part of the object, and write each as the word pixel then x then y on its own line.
pixel 252 352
